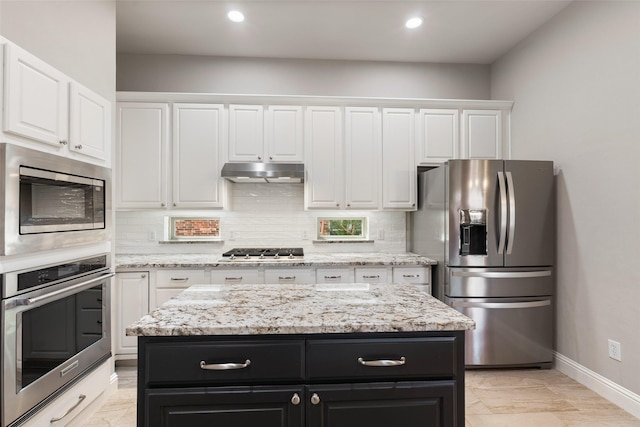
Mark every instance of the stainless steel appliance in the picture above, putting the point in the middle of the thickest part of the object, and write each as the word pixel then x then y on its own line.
pixel 490 224
pixel 55 328
pixel 50 202
pixel 263 254
pixel 252 172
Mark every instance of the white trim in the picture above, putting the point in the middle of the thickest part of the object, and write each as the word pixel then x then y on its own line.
pixel 226 98
pixel 626 399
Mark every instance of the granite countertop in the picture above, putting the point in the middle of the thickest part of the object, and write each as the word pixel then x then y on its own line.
pixel 299 309
pixel 310 260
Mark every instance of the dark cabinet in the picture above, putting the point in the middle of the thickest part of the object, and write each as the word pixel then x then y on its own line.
pixel 405 404
pixel 369 379
pixel 225 406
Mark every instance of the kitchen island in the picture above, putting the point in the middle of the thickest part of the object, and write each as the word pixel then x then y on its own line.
pixel 301 355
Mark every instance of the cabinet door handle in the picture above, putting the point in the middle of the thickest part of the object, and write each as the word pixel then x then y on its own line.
pixel 333 277
pixel 63 142
pixel 81 398
pixel 315 399
pixel 223 366
pixel 286 277
pixel 377 276
pixel 410 276
pixel 295 399
pixel 79 147
pixel 382 362
pixel 233 278
pixel 143 276
pixel 179 279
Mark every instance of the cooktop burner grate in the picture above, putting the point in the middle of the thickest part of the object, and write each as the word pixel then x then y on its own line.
pixel 264 252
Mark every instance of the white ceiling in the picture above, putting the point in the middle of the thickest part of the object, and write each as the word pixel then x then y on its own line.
pixel 454 31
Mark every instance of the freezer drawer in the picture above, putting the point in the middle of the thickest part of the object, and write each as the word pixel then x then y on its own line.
pixel 499 282
pixel 509 331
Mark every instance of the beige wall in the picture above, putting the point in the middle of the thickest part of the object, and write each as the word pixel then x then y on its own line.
pixel 182 73
pixel 77 37
pixel 576 87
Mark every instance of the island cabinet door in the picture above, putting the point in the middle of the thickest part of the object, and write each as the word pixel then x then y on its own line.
pixel 246 406
pixel 406 404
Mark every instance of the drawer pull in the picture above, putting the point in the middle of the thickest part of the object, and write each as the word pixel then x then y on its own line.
pixel 382 362
pixel 315 399
pixel 223 366
pixel 179 279
pixel 233 278
pixel 295 400
pixel 377 276
pixel 410 276
pixel 333 277
pixel 81 398
pixel 287 277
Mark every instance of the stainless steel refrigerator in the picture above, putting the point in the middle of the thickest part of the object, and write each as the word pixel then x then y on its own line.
pixel 490 224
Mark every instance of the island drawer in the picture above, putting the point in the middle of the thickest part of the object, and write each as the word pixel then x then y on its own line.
pixel 229 362
pixel 382 358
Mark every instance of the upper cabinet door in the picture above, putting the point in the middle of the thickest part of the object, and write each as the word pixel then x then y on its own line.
pixel 283 134
pixel 197 138
pixel 437 135
pixel 323 153
pixel 362 157
pixel 246 133
pixel 399 172
pixel 90 123
pixel 36 98
pixel 482 134
pixel 142 155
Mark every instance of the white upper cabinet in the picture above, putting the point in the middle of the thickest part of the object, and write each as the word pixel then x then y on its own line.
pixel 437 135
pixel 362 157
pixel 36 98
pixel 142 155
pixel 43 108
pixel 324 181
pixel 246 133
pixel 283 134
pixel 197 138
pixel 481 134
pixel 399 173
pixel 274 135
pixel 90 123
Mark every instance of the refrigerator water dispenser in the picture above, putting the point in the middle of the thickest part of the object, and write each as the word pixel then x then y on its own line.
pixel 473 232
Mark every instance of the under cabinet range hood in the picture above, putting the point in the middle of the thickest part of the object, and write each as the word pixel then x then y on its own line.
pixel 264 172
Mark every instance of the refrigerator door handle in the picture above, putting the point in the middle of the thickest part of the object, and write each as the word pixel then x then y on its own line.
pixel 512 212
pixel 527 304
pixel 501 275
pixel 503 212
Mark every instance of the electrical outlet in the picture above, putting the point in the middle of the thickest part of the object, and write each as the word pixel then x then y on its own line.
pixel 380 235
pixel 305 235
pixel 615 350
pixel 151 236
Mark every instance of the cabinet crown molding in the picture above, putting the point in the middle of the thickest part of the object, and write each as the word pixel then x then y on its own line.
pixel 304 100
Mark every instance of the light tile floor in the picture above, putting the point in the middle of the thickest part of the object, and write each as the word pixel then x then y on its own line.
pixel 494 398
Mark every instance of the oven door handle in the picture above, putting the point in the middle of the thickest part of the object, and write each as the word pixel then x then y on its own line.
pixel 63 292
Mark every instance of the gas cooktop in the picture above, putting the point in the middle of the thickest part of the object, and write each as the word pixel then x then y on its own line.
pixel 266 254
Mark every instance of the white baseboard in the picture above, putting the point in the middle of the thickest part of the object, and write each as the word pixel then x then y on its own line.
pixel 606 388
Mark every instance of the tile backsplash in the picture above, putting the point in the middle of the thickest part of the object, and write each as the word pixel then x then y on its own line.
pixel 260 215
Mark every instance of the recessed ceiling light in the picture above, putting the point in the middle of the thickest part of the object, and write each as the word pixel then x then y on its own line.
pixel 414 22
pixel 235 16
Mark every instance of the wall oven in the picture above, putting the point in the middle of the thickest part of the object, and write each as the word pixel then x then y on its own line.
pixel 50 202
pixel 55 328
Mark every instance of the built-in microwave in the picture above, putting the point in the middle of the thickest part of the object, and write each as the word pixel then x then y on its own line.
pixel 51 202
